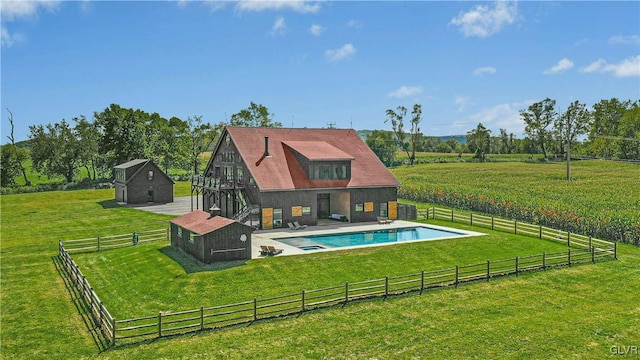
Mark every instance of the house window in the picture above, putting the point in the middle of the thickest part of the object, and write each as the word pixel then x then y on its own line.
pixel 277 218
pixel 359 207
pixel 193 237
pixel 179 232
pixel 240 175
pixel 227 140
pixel 306 210
pixel 150 175
pixel 383 209
pixel 228 173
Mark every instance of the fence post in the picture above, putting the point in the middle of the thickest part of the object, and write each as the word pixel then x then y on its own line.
pixel 160 324
pixel 568 239
pixel 386 286
pixel 451 215
pixel 492 224
pixel 590 246
pixel 113 327
pixel 615 250
pixel 593 255
pixel 201 317
pixel 457 274
pixel 303 309
pixel 569 257
pixel 517 263
pixel 540 231
pixel 346 292
pixel 98 243
pixel 544 261
pixel 488 270
pixel 421 282
pixel 255 309
pixel 471 219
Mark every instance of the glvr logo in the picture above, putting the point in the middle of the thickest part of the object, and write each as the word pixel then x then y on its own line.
pixel 624 350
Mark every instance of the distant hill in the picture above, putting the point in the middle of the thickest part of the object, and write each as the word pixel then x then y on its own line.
pixel 462 139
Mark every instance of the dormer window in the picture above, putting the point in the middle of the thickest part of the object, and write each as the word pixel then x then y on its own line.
pixel 329 171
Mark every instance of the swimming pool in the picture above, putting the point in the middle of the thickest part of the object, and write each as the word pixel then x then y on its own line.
pixel 364 238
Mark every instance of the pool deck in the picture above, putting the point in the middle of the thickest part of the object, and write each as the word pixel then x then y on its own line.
pixel 266 237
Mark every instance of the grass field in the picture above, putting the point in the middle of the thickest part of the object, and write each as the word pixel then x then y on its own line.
pixel 578 312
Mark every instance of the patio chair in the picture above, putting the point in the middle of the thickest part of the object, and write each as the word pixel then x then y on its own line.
pixel 298 226
pixel 264 251
pixel 274 251
pixel 292 227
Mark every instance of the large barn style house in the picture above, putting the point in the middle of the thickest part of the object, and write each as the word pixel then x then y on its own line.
pixel 270 177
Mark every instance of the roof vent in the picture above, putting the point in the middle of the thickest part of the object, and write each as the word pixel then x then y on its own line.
pixel 214 211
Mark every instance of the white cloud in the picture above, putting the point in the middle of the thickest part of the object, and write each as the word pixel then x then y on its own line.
pixel 629 67
pixel 263 5
pixel 462 102
pixel 625 40
pixel 502 116
pixel 345 52
pixel 594 66
pixel 562 66
pixel 7 39
pixel 484 70
pixel 354 24
pixel 279 26
pixel 17 9
pixel 406 91
pixel 483 21
pixel 316 29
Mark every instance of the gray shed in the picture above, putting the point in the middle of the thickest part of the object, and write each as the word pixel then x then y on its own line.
pixel 141 181
pixel 211 238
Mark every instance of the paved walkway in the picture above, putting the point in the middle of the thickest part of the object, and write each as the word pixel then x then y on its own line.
pixel 179 206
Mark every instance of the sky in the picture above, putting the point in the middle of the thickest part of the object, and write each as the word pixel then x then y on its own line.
pixel 315 63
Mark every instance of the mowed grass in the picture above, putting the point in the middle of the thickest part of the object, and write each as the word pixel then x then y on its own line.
pixel 577 312
pixel 158 283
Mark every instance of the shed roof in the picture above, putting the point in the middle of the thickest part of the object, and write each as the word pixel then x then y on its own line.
pixel 202 223
pixel 281 170
pixel 131 163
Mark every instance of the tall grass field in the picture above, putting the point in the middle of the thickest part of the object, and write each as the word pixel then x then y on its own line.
pixel 586 312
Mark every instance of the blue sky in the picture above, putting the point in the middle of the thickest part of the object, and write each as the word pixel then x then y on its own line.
pixel 314 63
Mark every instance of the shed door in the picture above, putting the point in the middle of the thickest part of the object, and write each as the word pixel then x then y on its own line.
pixel 324 206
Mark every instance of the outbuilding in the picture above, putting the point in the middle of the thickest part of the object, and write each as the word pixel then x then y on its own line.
pixel 210 238
pixel 141 181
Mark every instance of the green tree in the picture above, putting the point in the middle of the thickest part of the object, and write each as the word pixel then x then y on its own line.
pixel 538 117
pixel 256 115
pixel 202 135
pixel 88 136
pixel 17 155
pixel 123 135
pixel 55 150
pixel 383 145
pixel 9 165
pixel 629 140
pixel 605 126
pixel 575 121
pixel 397 124
pixel 478 141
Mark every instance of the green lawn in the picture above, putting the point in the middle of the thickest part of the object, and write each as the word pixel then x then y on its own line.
pixel 577 312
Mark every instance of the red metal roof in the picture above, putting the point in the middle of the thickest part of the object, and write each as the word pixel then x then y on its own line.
pixel 281 170
pixel 201 222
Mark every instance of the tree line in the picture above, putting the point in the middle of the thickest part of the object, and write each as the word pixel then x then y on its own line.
pixel 116 135
pixel 609 130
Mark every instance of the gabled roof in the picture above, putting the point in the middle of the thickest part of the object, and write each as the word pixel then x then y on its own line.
pixel 281 170
pixel 144 162
pixel 131 163
pixel 201 222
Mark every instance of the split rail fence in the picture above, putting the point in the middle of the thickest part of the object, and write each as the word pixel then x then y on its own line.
pixel 581 250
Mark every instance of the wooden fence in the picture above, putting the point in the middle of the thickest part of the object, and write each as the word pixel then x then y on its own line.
pixel 580 250
pixel 114 241
pixel 519 228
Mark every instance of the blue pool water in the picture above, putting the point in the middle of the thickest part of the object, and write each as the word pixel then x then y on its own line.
pixel 317 242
